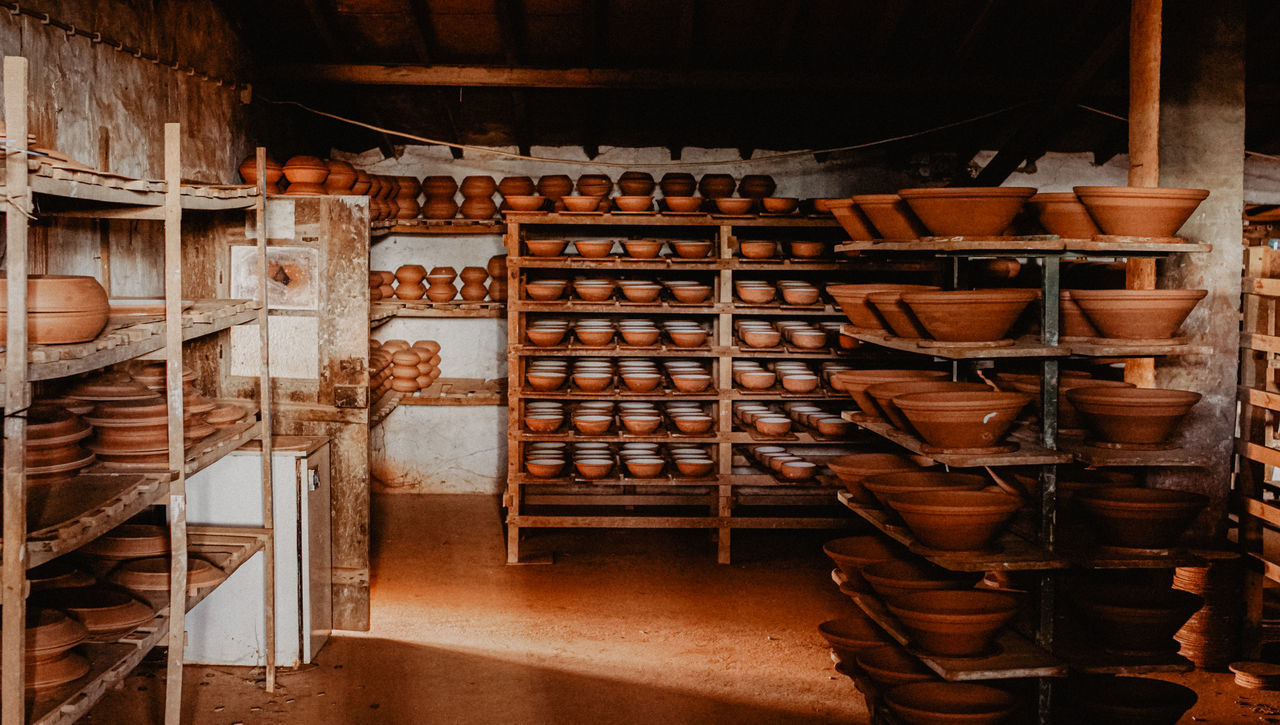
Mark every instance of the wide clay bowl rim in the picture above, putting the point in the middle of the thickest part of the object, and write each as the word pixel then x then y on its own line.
pixel 967 192
pixel 1135 295
pixel 954 503
pixel 846 468
pixel 950 702
pixel 961 401
pixel 906 574
pixel 876 198
pixel 960 297
pixel 853 632
pixel 956 604
pixel 1142 192
pixel 1054 197
pixel 894 482
pixel 838 549
pixel 1136 498
pixel 1090 397
pixel 894 661
pixel 887 375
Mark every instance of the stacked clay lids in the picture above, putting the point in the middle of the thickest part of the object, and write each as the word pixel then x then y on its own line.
pixel 61 309
pixel 106 613
pixel 51 637
pixel 151 575
pixel 402 367
pixel 54 451
pixel 306 175
pixel 130 420
pixel 195 406
pixel 249 170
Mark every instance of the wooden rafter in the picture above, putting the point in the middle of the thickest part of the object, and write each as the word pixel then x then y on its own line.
pixel 513 30
pixel 425 44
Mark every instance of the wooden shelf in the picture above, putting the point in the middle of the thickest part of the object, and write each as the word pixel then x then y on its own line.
pixel 1095 457
pixel 437 227
pixel 1045 245
pixel 459 392
pixel 1012 552
pixel 1029 453
pixel 63 516
pixel 1021 348
pixel 620 349
pixel 202 453
pixel 668 220
pixel 105 195
pixel 1074 650
pixel 382 408
pixel 383 311
pixel 615 480
pixel 1101 347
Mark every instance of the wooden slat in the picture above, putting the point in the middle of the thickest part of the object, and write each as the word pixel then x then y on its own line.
pixel 1029 453
pixel 177 509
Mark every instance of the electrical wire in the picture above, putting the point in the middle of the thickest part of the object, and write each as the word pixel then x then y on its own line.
pixel 672 164
pixel 1118 117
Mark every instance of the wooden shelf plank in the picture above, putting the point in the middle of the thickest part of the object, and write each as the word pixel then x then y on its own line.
pixel 1021 348
pixel 616 350
pixel 1029 453
pixel 437 227
pixel 95 187
pixel 383 310
pixel 459 392
pixel 1096 457
pixel 1032 246
pixel 202 453
pixel 668 220
pixel 66 515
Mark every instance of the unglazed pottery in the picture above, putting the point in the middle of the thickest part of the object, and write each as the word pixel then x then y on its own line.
pixel 856 382
pixel 852 299
pixel 950 703
pixel 976 211
pixel 1136 619
pixel 1140 518
pixel 1134 416
pixel 955 520
pixel 891 665
pixel 852 553
pixel 61 309
pixel 249 171
pixel 306 175
pixel 342 176
pixel 106 613
pixel 960 420
pixel 893 578
pixel 1137 314
pixel 853 468
pixel 954 623
pixel 677 184
pixel 715 186
pixel 1123 701
pixel 851 218
pixel 897 316
pixel 1140 212
pixel 891 217
pixel 882 394
pixel 1063 214
pixel 968 315
pixel 883 486
pixel 852 634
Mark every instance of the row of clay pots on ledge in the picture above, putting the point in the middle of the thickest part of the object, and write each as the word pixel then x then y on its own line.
pixel 601 288
pixel 599 460
pixel 403 367
pixel 1087 212
pixel 639 376
pixel 641 418
pixel 778 421
pixel 602 332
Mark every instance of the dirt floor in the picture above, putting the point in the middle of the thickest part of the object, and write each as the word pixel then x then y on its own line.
pixel 625 627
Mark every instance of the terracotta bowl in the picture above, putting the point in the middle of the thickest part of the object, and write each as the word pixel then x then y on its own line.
pixel 57 574
pixel 885 485
pixel 691 294
pixel 130 541
pixel 955 520
pixel 1137 314
pixel 851 218
pixel 593 248
pixel 543 422
pixel 852 299
pixel 962 420
pixel 545 290
pixel 594 337
pixel 633 203
pixel 640 337
pixel 733 205
pixel 592 382
pixel 1063 214
pixel 691 249
pixel 948 703
pixel 546 336
pixel 856 382
pixel 691 382
pixel 806 249
pixel 1137 620
pixel 581 203
pixel 969 315
pixel 1124 701
pixel 892 578
pixel 1140 212
pixel 954 623
pixel 642 248
pixel 546 247
pixel 852 634
pixel 891 665
pixel 645 467
pixel 593 292
pixel 851 469
pixel 756 248
pixel 780 204
pixel 1133 416
pixel 975 211
pixel 694 425
pixel 760 338
pixel 891 216
pixel 803 296
pixel 773 425
pixel 544 467
pixel 897 316
pixel 1074 323
pixel 1140 518
pixel 521 202
pixel 852 553
pixel 592 425
pixel 49 633
pixel 593 468
pixel 643 293
pixel 545 381
pixel 683 204
pixel 1068 416
pixel 882 394
pixel 641 424
pixel 756 294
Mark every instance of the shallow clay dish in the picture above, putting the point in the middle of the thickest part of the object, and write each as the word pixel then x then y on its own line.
pixel 851 553
pixel 546 247
pixel 1068 416
pixel 152 574
pixel 955 520
pixel 592 248
pixel 975 211
pixel 106 613
pixel 1063 214
pixel 1140 518
pixel 969 315
pixel 954 623
pixel 1133 416
pixel 683 204
pixel 579 204
pixel 852 634
pixel 1140 212
pixel 57 574
pixel 962 420
pixel 1137 314
pixel 1136 619
pixel 891 216
pixel 950 703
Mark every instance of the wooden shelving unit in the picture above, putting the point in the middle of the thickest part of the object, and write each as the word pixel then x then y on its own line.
pixel 57 518
pixel 733 497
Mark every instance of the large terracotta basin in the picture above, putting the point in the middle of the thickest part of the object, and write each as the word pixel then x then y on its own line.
pixel 962 420
pixel 852 553
pixel 954 623
pixel 1068 416
pixel 891 216
pixel 893 578
pixel 891 665
pixel 851 218
pixel 1136 619
pixel 1133 416
pixel 882 394
pixel 852 634
pixel 1063 214
pixel 1140 518
pixel 1124 701
pixel 950 703
pixel 975 211
pixel 1132 314
pixel 955 520
pixel 885 485
pixel 899 318
pixel 1073 322
pixel 852 299
pixel 982 315
pixel 851 469
pixel 1140 212
pixel 856 382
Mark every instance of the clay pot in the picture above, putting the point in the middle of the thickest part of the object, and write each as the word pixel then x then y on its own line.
pixel 643 248
pixel 1136 620
pixel 636 183
pixel 691 294
pixel 107 614
pixel 757 248
pixel 516 186
pixel 1064 215
pixel 882 394
pixel 1074 323
pixel 440 285
pixel 473 279
pixel 1133 416
pixel 554 186
pixel 891 666
pixel 849 216
pixel 439 187
pixel 1141 518
pixel 779 204
pixel 1069 417
pixel 593 248
pixel 498 289
pixel 856 382
pixel 478 207
pixel 594 185
pixel 361 185
pixel 409 277
pixel 497 266
pixel 962 420
pixel 954 623
pixel 1140 212
pixel 306 175
pixel 895 313
pixel 883 486
pixel 521 202
pixel 406 197
pixel 757 186
pixel 1137 314
pixel 852 299
pixel 475 187
pixel 61 309
pixel 442 207
pixel 851 635
pixel 342 176
pixel 948 703
pixel 677 184
pixel 249 171
pixel 386 289
pixel 852 553
pixel 546 247
pixel 687 249
pixel 1123 701
pixel 955 520
pixel 853 468
pixel 891 217
pixel 975 211
pixel 682 204
pixel 733 206
pixel 714 186
pixel 633 203
pixel 969 315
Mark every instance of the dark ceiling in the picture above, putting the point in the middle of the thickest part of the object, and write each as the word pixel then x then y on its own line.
pixel 745 74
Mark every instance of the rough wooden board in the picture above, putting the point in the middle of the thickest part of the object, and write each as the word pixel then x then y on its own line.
pixel 1021 348
pixel 660 220
pixel 1028 453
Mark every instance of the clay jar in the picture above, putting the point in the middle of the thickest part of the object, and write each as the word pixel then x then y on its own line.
pixel 477 197
pixel 1137 314
pixel 306 174
pixel 757 186
pixel 1140 212
pixel 715 186
pixel 473 279
pixel 497 266
pixel 409 278
pixel 676 183
pixel 553 187
pixel 891 216
pixel 594 185
pixel 439 186
pixel 342 176
pixel 1064 215
pixel 440 284
pixel 407 190
pixel 439 191
pixel 249 171
pixel 385 289
pixel 976 211
pixel 941 703
pixel 969 315
pixel 61 308
pixel 636 183
pixel 515 186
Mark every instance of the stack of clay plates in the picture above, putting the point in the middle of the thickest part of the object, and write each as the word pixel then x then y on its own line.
pixel 1257 675
pixel 110 386
pixel 133 431
pixel 1211 637
pixel 151 575
pixel 107 613
pixel 53 451
pixel 129 541
pixel 194 405
pixel 50 637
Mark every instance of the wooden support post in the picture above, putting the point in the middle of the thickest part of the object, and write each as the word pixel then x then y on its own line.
pixel 16 397
pixel 177 452
pixel 1144 142
pixel 264 407
pixel 724 541
pixel 515 377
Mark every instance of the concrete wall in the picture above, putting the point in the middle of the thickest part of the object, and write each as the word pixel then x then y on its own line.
pixel 87 96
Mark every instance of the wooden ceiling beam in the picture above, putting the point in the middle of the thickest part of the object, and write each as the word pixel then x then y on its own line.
pixel 651 79
pixel 425 44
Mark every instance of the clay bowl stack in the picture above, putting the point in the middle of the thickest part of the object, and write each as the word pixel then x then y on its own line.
pixel 852 553
pixel 855 223
pixel 755 292
pixel 851 635
pixel 853 468
pixel 852 299
pixel 1063 214
pixel 891 217
pixel 1069 419
pixel 249 171
pixel 895 313
pixel 194 405
pixel 954 623
pixel 61 309
pixel 51 637
pixel 894 578
pixel 54 451
pixel 856 382
pixel 1134 418
pixel 428 362
pixel 1136 316
pixel 891 666
pixel 884 486
pixel 1136 620
pixel 983 316
pixel 688 292
pixel 937 703
pixel 379 372
pixel 883 394
pixel 477 197
pixel 967 211
pixel 1140 212
pixel 108 614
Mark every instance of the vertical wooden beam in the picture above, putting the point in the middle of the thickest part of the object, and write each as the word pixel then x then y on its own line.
pixel 1144 144
pixel 264 408
pixel 104 226
pixel 515 378
pixel 16 397
pixel 173 389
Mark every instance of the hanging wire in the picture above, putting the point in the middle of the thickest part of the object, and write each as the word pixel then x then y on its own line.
pixel 1118 117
